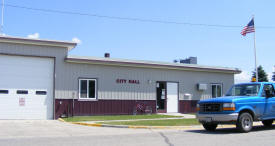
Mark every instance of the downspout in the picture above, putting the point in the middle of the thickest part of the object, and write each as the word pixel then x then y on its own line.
pixel 73 104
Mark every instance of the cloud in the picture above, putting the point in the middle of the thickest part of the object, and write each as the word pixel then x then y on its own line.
pixel 33 36
pixel 245 76
pixel 76 40
pixel 270 76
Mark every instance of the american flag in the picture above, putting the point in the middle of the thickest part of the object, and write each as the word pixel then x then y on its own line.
pixel 249 28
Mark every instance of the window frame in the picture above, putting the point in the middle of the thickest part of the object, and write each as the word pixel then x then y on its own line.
pixel 87 96
pixel 216 84
pixel 263 92
pixel 3 91
pixel 40 92
pixel 22 92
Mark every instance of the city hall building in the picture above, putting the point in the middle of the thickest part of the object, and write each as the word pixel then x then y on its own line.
pixel 39 80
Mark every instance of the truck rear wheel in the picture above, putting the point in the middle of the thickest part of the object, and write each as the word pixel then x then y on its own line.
pixel 245 122
pixel 210 126
pixel 267 123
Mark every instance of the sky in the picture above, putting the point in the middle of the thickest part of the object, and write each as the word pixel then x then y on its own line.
pixel 127 39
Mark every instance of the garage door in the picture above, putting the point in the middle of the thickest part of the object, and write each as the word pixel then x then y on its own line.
pixel 26 87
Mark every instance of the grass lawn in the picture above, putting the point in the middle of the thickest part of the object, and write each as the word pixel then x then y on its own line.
pixel 116 117
pixel 170 122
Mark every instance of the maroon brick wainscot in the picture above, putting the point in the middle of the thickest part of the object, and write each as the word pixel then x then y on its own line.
pixel 100 107
pixel 187 106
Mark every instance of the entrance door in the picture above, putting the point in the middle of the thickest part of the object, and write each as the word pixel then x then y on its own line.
pixel 172 97
pixel 161 97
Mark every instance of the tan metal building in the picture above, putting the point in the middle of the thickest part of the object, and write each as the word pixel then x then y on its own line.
pixel 39 80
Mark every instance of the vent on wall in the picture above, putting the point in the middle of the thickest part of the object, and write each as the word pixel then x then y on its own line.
pixel 187 96
pixel 201 86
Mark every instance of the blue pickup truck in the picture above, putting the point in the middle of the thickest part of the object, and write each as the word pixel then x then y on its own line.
pixel 241 105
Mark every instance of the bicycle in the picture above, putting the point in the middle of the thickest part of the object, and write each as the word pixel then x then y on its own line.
pixel 142 107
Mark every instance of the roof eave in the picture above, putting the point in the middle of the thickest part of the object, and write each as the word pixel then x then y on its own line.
pixel 146 65
pixel 43 42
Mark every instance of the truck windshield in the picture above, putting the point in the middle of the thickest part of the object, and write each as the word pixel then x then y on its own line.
pixel 244 90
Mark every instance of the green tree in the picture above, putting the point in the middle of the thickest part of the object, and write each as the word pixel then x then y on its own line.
pixel 262 76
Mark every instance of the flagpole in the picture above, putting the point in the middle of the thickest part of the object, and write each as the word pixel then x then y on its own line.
pixel 255 51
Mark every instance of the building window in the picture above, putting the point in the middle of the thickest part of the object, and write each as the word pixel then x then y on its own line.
pixel 22 91
pixel 87 89
pixel 41 92
pixel 216 90
pixel 4 91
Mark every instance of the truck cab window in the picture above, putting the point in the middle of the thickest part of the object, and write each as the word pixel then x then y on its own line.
pixel 268 89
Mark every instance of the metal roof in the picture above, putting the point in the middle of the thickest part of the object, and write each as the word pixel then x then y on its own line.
pixel 148 64
pixel 114 61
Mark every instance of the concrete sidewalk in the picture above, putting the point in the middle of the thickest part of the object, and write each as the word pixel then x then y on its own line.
pixel 183 116
pixel 134 120
pixel 186 116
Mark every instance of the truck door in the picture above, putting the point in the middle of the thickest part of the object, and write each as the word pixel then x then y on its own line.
pixel 269 92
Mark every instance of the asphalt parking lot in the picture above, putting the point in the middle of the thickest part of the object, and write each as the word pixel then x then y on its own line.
pixel 51 132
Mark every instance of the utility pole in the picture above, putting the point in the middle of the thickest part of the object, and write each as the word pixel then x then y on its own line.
pixel 2 19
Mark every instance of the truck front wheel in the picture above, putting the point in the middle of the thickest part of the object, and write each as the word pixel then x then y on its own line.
pixel 210 126
pixel 267 123
pixel 245 122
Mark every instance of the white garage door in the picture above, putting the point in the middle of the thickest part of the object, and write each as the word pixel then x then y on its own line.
pixel 26 87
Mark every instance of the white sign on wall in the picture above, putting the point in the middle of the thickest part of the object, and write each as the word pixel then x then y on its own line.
pixel 21 101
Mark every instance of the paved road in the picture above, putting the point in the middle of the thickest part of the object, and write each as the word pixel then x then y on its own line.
pixel 27 133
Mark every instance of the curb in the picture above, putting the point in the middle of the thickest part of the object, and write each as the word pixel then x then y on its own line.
pixel 136 127
pixel 61 120
pixel 132 127
pixel 192 127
